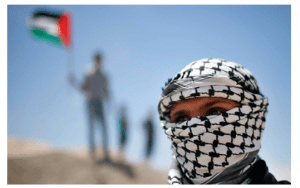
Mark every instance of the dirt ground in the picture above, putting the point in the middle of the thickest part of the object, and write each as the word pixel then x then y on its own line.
pixel 37 163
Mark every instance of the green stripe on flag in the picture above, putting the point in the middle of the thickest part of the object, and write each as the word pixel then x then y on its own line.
pixel 39 34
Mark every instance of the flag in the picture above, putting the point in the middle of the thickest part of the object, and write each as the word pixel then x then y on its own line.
pixel 51 27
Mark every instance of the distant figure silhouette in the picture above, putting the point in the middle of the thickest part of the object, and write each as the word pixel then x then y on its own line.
pixel 96 89
pixel 122 127
pixel 148 126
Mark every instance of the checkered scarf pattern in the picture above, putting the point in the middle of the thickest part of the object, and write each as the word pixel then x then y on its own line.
pixel 205 146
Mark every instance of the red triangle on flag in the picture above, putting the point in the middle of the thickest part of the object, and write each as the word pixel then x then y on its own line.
pixel 64 29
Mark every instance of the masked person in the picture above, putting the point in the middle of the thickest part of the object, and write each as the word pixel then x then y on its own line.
pixel 214 114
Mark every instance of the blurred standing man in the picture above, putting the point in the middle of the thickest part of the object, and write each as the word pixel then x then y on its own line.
pixel 122 127
pixel 96 90
pixel 148 125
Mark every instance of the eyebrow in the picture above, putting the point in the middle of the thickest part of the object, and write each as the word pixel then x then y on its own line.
pixel 214 102
pixel 211 104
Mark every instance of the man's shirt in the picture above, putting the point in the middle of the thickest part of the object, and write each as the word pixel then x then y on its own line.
pixel 95 85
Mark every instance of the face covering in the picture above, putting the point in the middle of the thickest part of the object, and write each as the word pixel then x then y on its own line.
pixel 217 148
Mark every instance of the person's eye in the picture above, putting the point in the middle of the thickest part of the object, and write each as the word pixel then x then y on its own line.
pixel 215 111
pixel 181 119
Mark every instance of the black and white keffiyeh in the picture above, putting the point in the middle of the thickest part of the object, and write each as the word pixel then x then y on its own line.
pixel 205 147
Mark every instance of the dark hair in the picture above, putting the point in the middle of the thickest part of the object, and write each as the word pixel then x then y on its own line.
pixel 97 55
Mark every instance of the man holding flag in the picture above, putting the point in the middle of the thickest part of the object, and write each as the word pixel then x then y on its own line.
pixel 96 90
pixel 55 28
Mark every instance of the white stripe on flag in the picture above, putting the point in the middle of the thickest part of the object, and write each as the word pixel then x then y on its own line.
pixel 47 24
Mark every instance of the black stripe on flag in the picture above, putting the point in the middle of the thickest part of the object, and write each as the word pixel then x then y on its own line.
pixel 40 14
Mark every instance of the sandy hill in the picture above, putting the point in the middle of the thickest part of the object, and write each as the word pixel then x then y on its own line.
pixel 30 162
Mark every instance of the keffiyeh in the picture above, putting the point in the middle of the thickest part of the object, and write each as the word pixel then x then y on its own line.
pixel 207 147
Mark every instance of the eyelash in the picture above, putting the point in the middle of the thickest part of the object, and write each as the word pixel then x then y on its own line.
pixel 215 109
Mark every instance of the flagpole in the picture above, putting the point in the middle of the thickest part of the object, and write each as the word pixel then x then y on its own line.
pixel 71 65
pixel 71 58
pixel 71 61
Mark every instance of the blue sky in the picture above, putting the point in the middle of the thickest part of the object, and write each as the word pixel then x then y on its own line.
pixel 143 46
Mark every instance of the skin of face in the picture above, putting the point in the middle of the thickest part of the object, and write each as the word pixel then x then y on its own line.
pixel 97 62
pixel 200 106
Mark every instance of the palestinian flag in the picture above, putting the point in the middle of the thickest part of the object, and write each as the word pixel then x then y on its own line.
pixel 51 27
